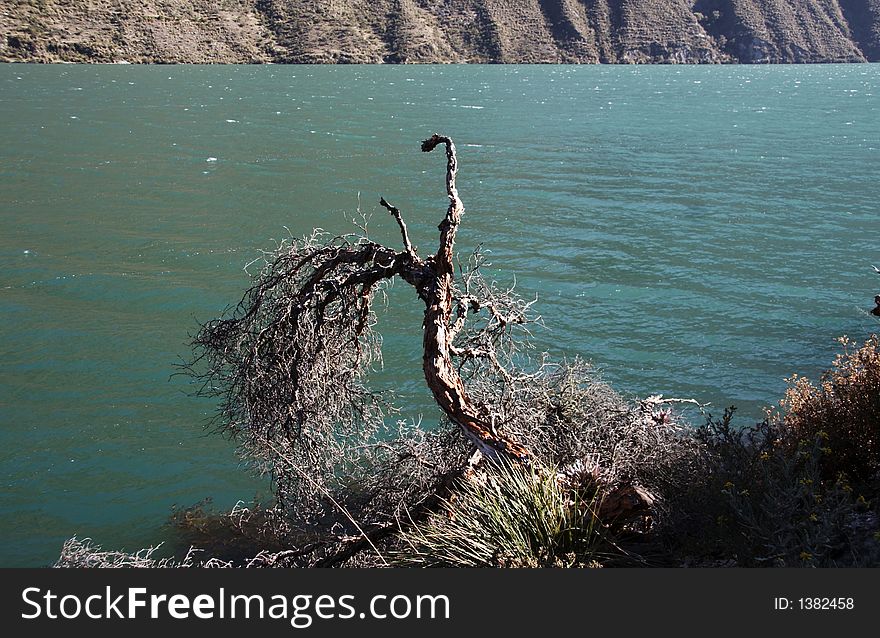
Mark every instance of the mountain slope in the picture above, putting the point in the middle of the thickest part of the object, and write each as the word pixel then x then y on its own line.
pixel 505 31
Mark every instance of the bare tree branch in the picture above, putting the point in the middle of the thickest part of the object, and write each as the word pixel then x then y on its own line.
pixel 395 212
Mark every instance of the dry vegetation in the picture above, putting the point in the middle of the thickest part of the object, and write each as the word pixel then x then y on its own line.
pixel 842 413
pixel 567 472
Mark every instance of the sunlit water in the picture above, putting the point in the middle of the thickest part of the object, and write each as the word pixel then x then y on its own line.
pixel 699 232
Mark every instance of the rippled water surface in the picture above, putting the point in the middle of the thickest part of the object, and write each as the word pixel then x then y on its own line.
pixel 695 231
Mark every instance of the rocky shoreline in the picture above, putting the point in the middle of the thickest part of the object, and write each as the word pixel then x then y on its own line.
pixel 451 31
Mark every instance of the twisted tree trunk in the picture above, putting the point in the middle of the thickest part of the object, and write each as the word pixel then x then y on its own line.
pixel 620 503
pixel 433 279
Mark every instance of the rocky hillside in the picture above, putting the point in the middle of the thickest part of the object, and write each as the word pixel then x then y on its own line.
pixel 335 31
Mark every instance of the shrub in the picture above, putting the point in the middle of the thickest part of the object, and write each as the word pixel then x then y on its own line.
pixel 234 536
pixel 81 553
pixel 842 413
pixel 760 499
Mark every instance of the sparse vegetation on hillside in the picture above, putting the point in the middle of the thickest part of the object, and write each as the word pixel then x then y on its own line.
pixel 415 31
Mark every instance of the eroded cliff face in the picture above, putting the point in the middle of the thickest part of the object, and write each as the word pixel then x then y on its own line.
pixel 783 30
pixel 429 31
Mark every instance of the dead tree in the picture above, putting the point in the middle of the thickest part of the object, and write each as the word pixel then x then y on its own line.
pixel 290 364
pixel 309 319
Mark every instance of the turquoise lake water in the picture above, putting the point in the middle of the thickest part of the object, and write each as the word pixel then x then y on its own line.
pixel 699 232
